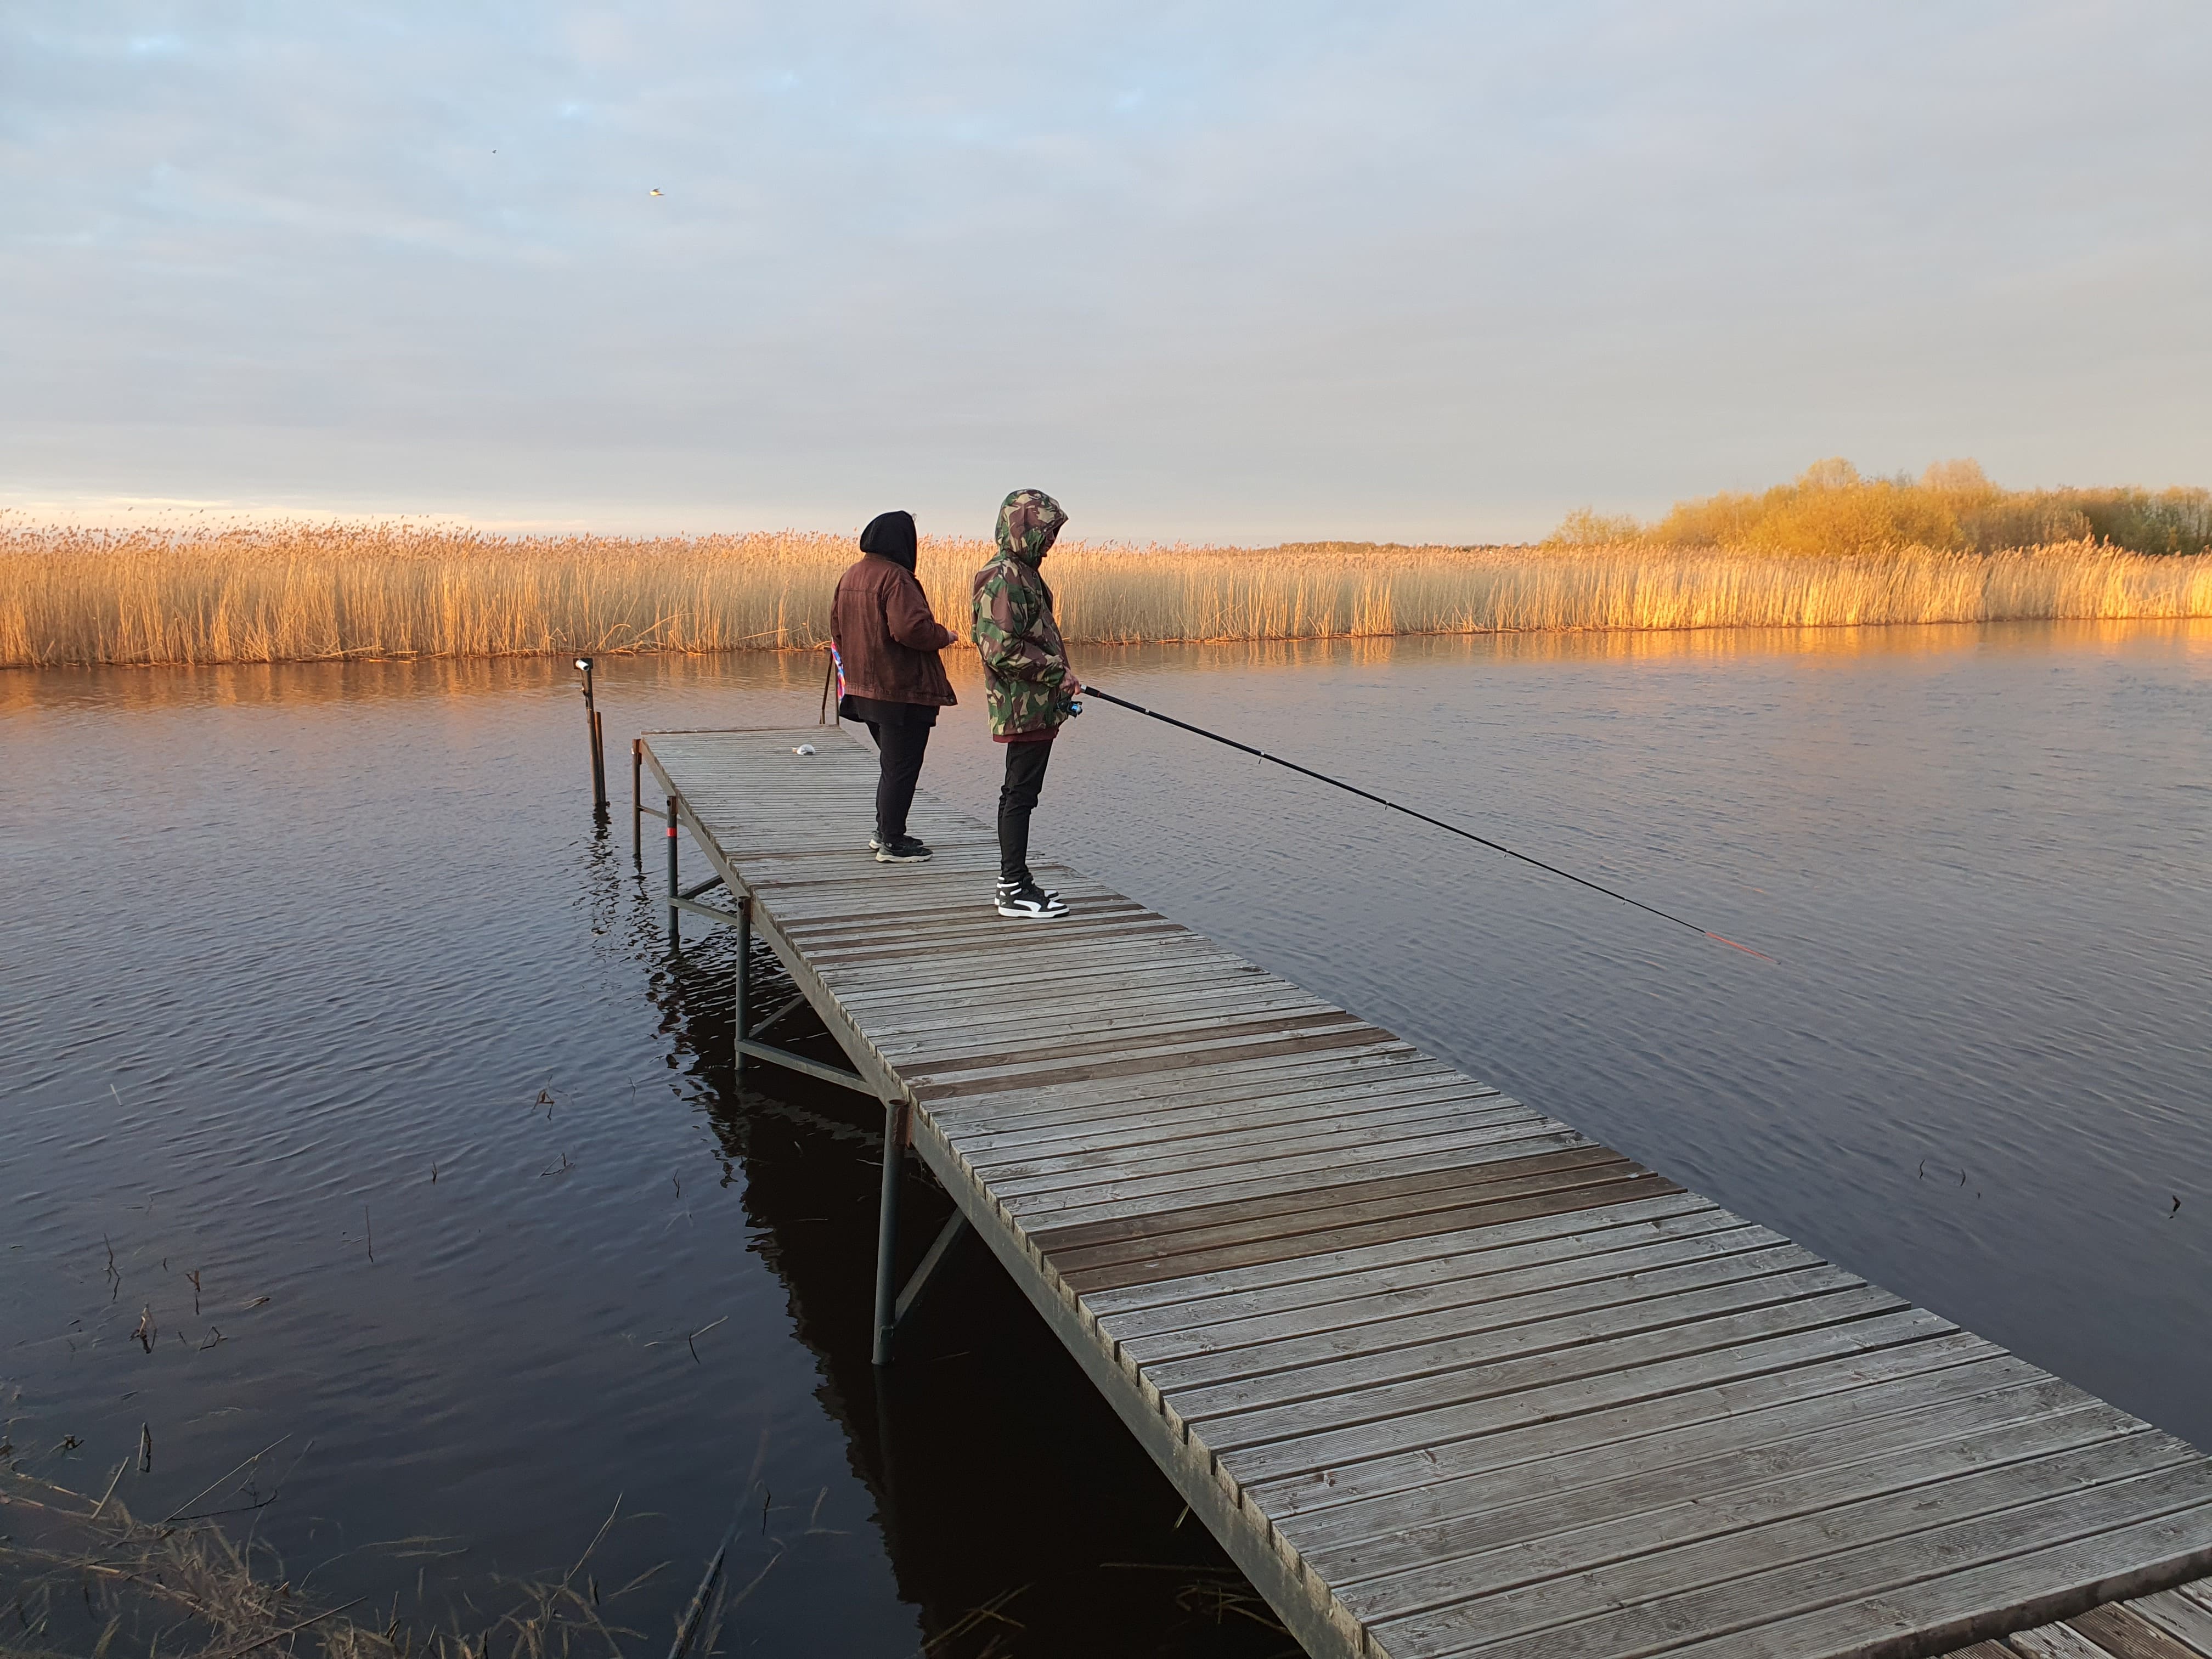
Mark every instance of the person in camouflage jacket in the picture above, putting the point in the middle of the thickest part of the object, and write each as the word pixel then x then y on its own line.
pixel 1028 688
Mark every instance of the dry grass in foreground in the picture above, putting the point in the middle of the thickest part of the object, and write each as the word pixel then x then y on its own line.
pixel 318 593
pixel 91 1578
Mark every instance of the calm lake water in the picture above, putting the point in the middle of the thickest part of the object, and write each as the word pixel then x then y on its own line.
pixel 308 961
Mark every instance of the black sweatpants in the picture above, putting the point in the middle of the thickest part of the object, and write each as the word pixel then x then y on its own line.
pixel 1018 799
pixel 899 750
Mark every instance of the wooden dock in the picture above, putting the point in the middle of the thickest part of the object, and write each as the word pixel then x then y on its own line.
pixel 1444 1375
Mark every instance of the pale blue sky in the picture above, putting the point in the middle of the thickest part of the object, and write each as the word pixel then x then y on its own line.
pixel 1231 272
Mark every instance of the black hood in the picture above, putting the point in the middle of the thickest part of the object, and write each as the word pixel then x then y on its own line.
pixel 891 536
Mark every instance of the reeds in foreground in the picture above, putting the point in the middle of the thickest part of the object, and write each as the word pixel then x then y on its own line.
pixel 317 593
pixel 181 1589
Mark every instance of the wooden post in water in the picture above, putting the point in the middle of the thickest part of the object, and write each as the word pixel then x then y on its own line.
pixel 593 736
pixel 599 766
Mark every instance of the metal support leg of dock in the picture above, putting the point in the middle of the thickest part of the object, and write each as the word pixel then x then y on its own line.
pixel 675 934
pixel 887 1231
pixel 743 989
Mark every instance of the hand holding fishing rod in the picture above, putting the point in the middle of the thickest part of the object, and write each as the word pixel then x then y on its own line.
pixel 1392 805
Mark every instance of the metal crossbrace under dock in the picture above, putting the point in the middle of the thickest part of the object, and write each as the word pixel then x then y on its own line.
pixel 1443 1375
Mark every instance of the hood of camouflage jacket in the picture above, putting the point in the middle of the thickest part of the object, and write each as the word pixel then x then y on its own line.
pixel 1028 521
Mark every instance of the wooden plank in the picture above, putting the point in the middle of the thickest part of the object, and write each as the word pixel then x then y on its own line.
pixel 1364 1340
pixel 949 1060
pixel 1385 1292
pixel 991 1099
pixel 2123 1633
pixel 1269 1149
pixel 921 1022
pixel 1773 1356
pixel 1184 1262
pixel 831 934
pixel 1646 1359
pixel 1521 1172
pixel 1093 929
pixel 1148 1123
pixel 1409 1132
pixel 2054 1641
pixel 1166 1057
pixel 1165 1134
pixel 1326 1388
pixel 1199 1170
pixel 1943 1596
pixel 1218 1040
pixel 1761 1576
pixel 1204 1086
pixel 1201 1132
pixel 1347 1188
pixel 1137 1197
pixel 2185 1620
pixel 1654 1217
pixel 924 1004
pixel 1551 1575
pixel 1047 957
pixel 1383 1468
pixel 1617 1458
pixel 1293 1089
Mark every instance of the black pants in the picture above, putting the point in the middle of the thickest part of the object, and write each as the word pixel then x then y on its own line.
pixel 1018 799
pixel 899 749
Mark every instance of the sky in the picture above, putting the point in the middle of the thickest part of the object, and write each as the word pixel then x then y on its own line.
pixel 1222 272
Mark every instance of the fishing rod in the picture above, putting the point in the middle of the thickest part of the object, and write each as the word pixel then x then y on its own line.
pixel 1392 805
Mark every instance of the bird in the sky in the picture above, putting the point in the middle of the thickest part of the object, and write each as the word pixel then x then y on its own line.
pixel 653 192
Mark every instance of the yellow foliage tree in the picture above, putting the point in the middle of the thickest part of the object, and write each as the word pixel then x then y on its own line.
pixel 1831 508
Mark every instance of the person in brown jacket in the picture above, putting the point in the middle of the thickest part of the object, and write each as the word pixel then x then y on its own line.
pixel 888 642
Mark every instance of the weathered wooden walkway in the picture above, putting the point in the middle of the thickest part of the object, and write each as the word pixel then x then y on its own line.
pixel 1444 1375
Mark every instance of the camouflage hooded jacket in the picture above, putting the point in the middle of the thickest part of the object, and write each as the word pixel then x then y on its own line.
pixel 1025 674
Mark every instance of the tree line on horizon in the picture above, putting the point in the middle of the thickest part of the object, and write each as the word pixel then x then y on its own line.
pixel 1953 507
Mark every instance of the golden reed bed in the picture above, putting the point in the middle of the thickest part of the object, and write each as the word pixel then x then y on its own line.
pixel 314 593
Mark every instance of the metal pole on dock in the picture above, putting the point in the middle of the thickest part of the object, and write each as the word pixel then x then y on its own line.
pixel 674 937
pixel 637 803
pixel 887 1231
pixel 592 732
pixel 744 982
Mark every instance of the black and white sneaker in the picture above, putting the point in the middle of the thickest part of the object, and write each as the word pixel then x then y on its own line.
pixel 1030 902
pixel 905 850
pixel 1005 886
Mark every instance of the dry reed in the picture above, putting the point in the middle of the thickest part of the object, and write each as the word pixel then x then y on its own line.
pixel 312 593
pixel 117 1586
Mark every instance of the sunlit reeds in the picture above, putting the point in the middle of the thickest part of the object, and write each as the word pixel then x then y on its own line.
pixel 310 594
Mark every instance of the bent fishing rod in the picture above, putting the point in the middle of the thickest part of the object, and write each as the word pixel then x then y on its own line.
pixel 1090 690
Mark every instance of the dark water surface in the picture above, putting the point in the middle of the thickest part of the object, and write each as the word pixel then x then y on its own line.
pixel 281 944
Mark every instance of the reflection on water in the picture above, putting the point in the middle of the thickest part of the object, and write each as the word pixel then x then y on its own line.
pixel 295 955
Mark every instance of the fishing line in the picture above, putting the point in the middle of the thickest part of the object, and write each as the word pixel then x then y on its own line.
pixel 1392 805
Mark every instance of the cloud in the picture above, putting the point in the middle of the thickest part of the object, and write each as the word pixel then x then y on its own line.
pixel 1396 270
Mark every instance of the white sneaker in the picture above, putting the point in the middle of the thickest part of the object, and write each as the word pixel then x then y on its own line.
pixel 1030 903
